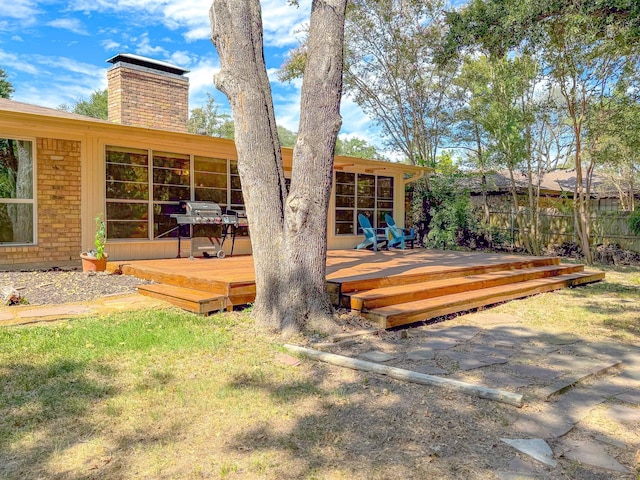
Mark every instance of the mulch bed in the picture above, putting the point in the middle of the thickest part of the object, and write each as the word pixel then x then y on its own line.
pixel 57 286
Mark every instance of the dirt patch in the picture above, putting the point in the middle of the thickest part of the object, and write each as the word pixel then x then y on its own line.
pixel 605 254
pixel 57 286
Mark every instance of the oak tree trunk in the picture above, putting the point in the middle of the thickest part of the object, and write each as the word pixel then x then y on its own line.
pixel 288 229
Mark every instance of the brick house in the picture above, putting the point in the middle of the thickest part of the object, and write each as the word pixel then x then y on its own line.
pixel 59 170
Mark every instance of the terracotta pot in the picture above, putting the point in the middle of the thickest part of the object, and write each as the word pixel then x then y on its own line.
pixel 92 264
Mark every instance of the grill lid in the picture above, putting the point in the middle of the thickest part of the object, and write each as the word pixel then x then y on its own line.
pixel 202 209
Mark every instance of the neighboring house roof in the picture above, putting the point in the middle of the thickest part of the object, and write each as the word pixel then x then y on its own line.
pixel 551 183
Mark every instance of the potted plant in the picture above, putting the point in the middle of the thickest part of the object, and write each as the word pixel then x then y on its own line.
pixel 95 260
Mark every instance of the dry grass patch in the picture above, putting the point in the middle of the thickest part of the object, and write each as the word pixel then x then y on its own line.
pixel 600 310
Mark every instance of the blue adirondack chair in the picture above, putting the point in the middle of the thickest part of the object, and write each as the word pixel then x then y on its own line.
pixel 372 238
pixel 399 236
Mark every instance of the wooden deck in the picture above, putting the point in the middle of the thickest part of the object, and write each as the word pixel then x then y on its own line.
pixel 390 287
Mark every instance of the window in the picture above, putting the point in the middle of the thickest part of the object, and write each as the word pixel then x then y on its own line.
pixel 127 193
pixel 144 188
pixel 171 184
pixel 17 192
pixel 357 193
pixel 345 203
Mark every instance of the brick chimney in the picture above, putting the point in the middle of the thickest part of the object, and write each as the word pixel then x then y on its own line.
pixel 147 93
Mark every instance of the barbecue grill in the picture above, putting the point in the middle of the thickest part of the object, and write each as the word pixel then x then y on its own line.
pixel 209 213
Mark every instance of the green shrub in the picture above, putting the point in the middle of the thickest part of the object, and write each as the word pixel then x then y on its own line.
pixel 634 222
pixel 452 221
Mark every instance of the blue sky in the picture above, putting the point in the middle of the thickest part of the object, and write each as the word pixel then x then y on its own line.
pixel 54 52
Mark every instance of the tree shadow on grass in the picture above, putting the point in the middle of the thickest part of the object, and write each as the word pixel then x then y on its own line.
pixel 370 426
pixel 620 303
pixel 47 410
pixel 373 427
pixel 42 409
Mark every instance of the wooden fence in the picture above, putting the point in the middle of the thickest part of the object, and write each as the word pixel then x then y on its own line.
pixel 556 228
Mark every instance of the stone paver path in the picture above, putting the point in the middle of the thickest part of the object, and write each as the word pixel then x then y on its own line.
pixel 564 376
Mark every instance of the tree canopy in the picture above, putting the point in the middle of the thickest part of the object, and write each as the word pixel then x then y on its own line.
pixel 97 106
pixel 207 120
pixel 390 47
pixel 6 88
pixel 585 50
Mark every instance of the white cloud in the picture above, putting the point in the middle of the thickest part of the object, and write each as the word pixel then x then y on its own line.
pixel 21 9
pixel 17 38
pixel 10 60
pixel 52 81
pixel 144 47
pixel 58 79
pixel 201 83
pixel 19 15
pixel 110 45
pixel 198 33
pixel 281 21
pixel 358 122
pixel 65 64
pixel 72 24
pixel 182 58
pixel 60 90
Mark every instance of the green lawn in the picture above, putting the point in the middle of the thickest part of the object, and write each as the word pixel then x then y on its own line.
pixel 168 394
pixel 127 394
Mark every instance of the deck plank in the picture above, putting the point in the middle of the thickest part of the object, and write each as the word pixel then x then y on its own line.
pixel 196 301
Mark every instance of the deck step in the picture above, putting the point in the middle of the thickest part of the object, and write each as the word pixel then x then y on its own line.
pixel 196 301
pixel 405 313
pixel 176 277
pixel 382 297
pixel 387 277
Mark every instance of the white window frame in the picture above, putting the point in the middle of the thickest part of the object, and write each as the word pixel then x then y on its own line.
pixel 34 200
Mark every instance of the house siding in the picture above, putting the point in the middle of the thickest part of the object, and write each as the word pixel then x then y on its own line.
pixel 58 164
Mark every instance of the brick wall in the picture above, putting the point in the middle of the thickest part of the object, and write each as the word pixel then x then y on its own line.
pixel 145 98
pixel 58 209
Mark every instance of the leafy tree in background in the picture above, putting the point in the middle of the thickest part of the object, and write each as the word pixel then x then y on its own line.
pixel 503 108
pixel 357 147
pixel 287 137
pixel 97 106
pixel 583 46
pixel 6 88
pixel 453 223
pixel 390 72
pixel 207 120
pixel 618 145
